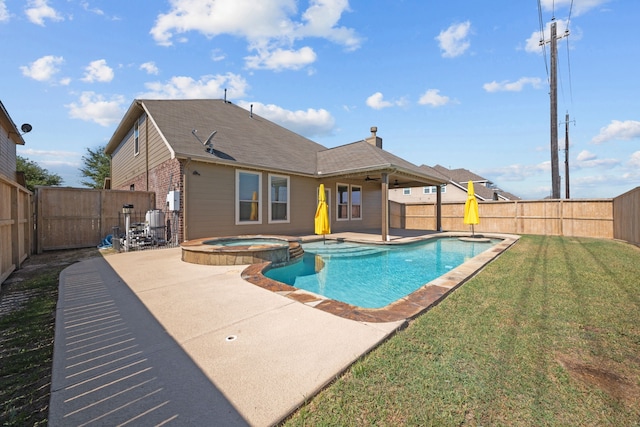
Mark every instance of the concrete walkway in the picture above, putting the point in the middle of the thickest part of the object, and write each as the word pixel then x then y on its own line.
pixel 143 338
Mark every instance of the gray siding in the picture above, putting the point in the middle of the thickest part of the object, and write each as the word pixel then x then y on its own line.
pixel 7 155
pixel 127 167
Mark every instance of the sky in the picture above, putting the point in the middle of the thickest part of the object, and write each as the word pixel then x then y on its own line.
pixel 461 83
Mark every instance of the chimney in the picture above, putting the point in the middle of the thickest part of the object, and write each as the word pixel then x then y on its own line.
pixel 373 139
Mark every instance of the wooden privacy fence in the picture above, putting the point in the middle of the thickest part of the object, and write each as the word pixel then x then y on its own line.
pixel 15 226
pixel 580 218
pixel 626 216
pixel 69 218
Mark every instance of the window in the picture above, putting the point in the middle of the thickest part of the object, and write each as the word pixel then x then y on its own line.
pixel 278 198
pixel 433 189
pixel 349 204
pixel 343 202
pixel 406 191
pixel 356 202
pixel 248 209
pixel 136 139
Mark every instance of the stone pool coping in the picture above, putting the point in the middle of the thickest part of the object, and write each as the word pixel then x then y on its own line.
pixel 408 307
pixel 197 251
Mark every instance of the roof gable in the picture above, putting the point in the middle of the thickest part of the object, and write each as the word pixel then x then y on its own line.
pixel 363 156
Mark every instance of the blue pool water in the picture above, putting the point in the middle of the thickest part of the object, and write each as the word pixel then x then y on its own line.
pixel 373 276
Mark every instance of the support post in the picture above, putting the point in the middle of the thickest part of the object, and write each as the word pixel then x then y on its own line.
pixel 385 207
pixel 439 207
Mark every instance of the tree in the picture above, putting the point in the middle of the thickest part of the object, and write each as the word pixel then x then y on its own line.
pixel 35 175
pixel 97 167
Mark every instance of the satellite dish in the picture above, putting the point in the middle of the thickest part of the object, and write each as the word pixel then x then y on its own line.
pixel 26 128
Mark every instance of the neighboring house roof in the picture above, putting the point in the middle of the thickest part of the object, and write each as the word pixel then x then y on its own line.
pixel 485 191
pixel 10 126
pixel 246 139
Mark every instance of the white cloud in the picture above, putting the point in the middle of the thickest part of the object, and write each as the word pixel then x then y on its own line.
pixel 281 59
pixel 433 98
pixel 268 25
pixel 517 86
pixel 4 12
pixel 627 130
pixel 150 67
pixel 587 159
pixel 517 172
pixel 308 123
pixel 217 55
pixel 39 10
pixel 454 40
pixel 43 69
pixel 98 71
pixel 92 107
pixel 578 6
pixel 377 102
pixel 86 6
pixel 211 86
pixel 52 157
pixel 634 161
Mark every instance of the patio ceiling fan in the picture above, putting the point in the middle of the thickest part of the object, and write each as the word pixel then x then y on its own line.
pixel 368 178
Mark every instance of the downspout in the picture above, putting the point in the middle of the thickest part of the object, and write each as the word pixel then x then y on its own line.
pixel 146 151
pixel 185 177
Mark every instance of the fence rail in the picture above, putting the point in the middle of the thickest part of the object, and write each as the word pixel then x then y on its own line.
pixel 580 218
pixel 15 226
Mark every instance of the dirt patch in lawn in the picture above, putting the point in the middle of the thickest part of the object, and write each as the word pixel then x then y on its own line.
pixel 607 376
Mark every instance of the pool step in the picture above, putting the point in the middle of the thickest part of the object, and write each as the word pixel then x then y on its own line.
pixel 295 251
pixel 344 251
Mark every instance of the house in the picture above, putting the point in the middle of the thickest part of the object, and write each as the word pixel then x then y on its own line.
pixel 16 226
pixel 218 169
pixel 454 191
pixel 10 137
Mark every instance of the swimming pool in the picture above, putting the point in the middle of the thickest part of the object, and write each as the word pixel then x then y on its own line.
pixel 373 276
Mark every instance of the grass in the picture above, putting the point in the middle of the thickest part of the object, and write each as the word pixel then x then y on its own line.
pixel 548 334
pixel 26 337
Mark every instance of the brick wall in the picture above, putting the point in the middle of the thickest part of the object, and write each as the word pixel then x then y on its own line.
pixel 160 177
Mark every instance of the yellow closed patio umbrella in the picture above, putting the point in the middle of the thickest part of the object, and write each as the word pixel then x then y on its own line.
pixel 322 214
pixel 471 216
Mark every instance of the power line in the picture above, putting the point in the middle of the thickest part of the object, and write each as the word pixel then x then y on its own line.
pixel 568 57
pixel 542 43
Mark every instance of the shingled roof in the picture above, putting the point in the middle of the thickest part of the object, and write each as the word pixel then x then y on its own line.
pixel 248 140
pixel 485 191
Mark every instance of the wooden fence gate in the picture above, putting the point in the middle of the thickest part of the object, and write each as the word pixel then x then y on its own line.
pixel 68 218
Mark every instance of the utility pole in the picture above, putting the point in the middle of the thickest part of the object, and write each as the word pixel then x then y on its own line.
pixel 555 173
pixel 553 91
pixel 566 156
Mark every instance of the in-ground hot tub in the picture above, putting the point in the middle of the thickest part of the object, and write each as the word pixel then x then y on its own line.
pixel 240 250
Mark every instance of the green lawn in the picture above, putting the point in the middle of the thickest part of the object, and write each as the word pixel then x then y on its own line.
pixel 548 334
